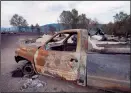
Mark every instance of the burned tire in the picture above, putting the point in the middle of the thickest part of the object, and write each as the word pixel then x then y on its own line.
pixel 28 69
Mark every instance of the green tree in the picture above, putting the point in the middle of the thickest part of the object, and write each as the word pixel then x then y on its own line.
pixel 108 28
pixel 121 25
pixel 66 19
pixel 120 16
pixel 73 20
pixel 127 24
pixel 18 21
pixel 37 27
pixel 32 27
pixel 83 22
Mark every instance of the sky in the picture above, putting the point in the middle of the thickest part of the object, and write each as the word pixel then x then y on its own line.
pixel 46 12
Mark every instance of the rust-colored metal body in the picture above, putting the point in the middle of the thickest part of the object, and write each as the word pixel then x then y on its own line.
pixel 69 61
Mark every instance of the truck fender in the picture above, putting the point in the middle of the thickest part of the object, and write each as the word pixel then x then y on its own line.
pixel 19 58
pixel 22 61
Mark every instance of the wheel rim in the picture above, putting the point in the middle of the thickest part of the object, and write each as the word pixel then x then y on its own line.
pixel 28 69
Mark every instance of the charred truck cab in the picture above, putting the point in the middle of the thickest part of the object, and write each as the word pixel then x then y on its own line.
pixel 65 56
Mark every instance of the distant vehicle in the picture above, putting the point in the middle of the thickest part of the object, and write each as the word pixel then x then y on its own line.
pixel 3 32
pixel 12 32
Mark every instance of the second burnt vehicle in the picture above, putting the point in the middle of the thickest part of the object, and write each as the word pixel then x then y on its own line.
pixel 65 55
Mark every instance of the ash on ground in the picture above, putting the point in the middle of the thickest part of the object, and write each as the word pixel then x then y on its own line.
pixel 33 84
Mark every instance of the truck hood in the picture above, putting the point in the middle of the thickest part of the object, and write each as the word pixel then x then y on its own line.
pixel 33 45
pixel 24 50
pixel 27 51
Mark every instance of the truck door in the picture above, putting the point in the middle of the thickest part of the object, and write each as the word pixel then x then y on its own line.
pixel 70 59
pixel 69 65
pixel 46 62
pixel 48 57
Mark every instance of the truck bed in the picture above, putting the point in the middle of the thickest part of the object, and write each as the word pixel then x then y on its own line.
pixel 111 64
pixel 111 67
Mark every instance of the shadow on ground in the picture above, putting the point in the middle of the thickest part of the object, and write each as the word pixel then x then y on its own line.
pixel 17 73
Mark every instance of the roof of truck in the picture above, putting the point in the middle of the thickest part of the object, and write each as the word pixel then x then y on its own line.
pixel 72 30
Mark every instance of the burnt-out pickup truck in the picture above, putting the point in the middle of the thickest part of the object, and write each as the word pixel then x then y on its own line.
pixel 67 55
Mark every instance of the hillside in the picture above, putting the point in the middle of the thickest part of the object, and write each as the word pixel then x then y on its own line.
pixel 44 28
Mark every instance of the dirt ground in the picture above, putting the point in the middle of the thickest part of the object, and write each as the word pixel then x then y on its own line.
pixel 12 84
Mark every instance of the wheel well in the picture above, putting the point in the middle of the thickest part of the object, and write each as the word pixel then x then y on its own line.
pixel 19 58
